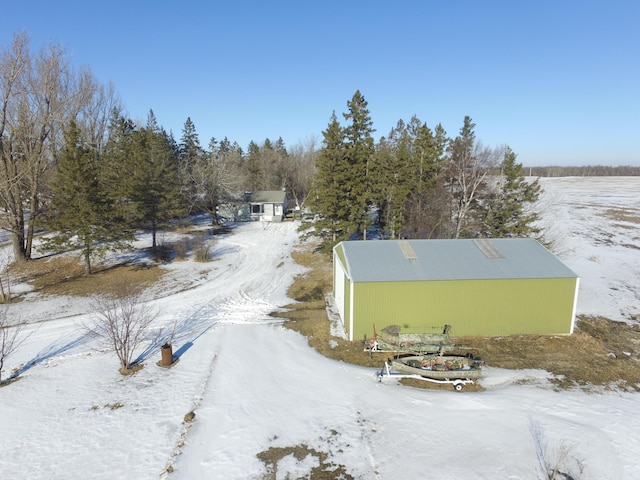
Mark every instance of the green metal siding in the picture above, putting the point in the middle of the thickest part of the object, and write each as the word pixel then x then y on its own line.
pixel 471 307
pixel 347 311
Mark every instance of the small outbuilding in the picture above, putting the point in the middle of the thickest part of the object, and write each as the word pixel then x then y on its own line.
pixel 481 287
pixel 268 206
pixel 264 206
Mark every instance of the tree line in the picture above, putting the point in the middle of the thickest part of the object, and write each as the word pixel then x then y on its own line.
pixel 584 171
pixel 74 165
pixel 415 182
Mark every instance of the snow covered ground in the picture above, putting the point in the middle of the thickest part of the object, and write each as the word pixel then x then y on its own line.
pixel 254 384
pixel 594 224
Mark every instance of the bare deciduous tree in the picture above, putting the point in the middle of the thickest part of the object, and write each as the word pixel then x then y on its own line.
pixel 300 169
pixel 94 114
pixel 11 337
pixel 12 65
pixel 469 165
pixel 39 94
pixel 215 175
pixel 5 292
pixel 120 322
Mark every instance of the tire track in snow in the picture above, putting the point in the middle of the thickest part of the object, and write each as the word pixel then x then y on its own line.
pixel 246 309
pixel 187 424
pixel 244 282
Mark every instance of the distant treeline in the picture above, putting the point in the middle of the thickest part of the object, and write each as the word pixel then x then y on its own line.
pixel 590 171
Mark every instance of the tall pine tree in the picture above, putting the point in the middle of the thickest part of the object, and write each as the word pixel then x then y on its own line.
pixel 189 152
pixel 155 187
pixel 428 206
pixel 189 143
pixel 391 179
pixel 81 212
pixel 509 212
pixel 253 167
pixel 359 151
pixel 329 198
pixel 116 167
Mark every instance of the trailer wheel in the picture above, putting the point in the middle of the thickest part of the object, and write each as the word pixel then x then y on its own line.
pixel 458 387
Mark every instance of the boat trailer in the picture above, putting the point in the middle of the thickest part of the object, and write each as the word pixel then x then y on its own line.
pixel 386 373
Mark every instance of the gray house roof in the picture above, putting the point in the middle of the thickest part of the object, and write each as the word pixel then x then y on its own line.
pixel 268 196
pixel 464 259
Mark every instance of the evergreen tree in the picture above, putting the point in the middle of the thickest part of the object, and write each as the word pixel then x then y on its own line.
pixel 154 182
pixel 116 167
pixel 508 212
pixel 428 204
pixel 358 155
pixel 81 213
pixel 269 171
pixel 406 180
pixel 190 147
pixel 392 177
pixel 267 166
pixel 280 147
pixel 253 166
pixel 329 198
pixel 281 173
pixel 189 151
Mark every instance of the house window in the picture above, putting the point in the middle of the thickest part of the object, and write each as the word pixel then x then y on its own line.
pixel 257 208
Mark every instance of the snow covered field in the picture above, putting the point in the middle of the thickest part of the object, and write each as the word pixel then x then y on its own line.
pixel 254 384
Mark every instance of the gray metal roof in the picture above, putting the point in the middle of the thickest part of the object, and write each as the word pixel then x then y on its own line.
pixel 464 259
pixel 268 196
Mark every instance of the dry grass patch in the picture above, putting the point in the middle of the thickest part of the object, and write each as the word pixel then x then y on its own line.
pixel 623 215
pixel 309 317
pixel 131 370
pixel 324 470
pixel 64 275
pixel 191 229
pixel 599 353
pixel 9 381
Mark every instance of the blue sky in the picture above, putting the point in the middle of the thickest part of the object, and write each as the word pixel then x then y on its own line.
pixel 557 81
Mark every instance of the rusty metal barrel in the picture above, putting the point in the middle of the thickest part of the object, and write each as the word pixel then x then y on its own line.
pixel 167 354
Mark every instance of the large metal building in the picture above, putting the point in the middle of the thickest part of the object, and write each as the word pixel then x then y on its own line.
pixel 481 287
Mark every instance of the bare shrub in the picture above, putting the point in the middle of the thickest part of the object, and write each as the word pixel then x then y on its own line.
pixel 120 322
pixel 202 251
pixel 557 463
pixel 181 248
pixel 11 337
pixel 5 282
pixel 162 253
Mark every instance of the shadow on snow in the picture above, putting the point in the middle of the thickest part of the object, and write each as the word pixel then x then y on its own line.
pixel 185 332
pixel 53 350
